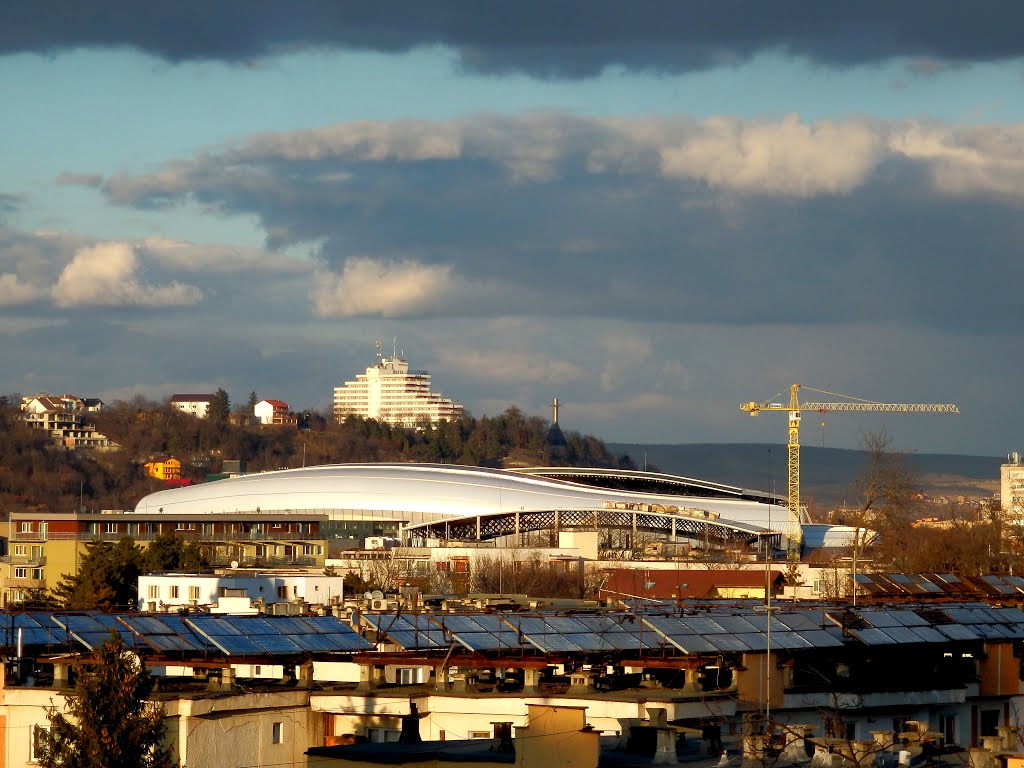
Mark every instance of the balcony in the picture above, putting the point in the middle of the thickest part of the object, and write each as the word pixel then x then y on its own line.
pixel 13 583
pixel 25 560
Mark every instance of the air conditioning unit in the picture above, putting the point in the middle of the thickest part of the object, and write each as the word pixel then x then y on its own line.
pixel 378 605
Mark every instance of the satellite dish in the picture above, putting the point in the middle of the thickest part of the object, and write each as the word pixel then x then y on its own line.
pixel 377 595
pixel 367 595
pixel 234 564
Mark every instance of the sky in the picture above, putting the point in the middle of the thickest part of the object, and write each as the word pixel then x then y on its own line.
pixel 651 211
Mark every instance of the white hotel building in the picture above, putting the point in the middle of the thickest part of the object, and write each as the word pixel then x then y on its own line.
pixel 390 392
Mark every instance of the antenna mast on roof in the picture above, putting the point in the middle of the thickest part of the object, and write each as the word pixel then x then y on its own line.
pixel 394 347
pixel 378 350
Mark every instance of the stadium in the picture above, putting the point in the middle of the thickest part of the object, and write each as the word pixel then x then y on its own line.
pixel 422 503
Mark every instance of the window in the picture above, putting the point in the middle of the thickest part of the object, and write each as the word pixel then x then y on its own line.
pixel 153 592
pixel 35 741
pixel 20 550
pixel 479 734
pixel 282 592
pixel 110 528
pixel 173 591
pixel 21 573
pixel 277 733
pixel 37 551
pixel 25 528
pixel 193 593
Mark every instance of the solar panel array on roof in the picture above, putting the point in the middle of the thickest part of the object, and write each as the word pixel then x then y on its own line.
pixel 254 635
pixel 35 629
pixel 92 630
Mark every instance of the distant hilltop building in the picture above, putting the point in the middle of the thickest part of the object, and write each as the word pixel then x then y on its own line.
pixel 63 417
pixel 274 412
pixel 392 393
pixel 193 404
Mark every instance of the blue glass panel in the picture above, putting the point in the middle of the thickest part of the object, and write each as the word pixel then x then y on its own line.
pixel 819 638
pixel 551 643
pixel 756 641
pixel 726 642
pixel 277 644
pixel 872 637
pixel 735 624
pixel 956 631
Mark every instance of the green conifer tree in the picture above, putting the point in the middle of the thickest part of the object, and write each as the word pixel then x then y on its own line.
pixel 108 721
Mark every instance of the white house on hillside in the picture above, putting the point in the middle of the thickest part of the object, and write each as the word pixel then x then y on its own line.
pixel 195 405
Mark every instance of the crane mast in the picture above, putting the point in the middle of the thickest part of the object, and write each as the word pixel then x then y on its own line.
pixel 793 531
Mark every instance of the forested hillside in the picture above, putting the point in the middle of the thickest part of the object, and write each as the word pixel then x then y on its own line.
pixel 35 474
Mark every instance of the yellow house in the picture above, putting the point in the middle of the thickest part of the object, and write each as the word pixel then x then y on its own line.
pixel 168 469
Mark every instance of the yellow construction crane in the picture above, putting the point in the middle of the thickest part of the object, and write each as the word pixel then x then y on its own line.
pixel 793 531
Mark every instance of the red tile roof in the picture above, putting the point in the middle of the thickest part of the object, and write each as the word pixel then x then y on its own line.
pixel 673 583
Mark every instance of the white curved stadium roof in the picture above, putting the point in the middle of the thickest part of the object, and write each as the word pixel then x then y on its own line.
pixel 417 493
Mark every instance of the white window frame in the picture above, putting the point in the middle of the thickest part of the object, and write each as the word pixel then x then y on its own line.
pixel 277 732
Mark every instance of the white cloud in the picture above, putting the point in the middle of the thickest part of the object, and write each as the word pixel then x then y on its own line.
pixel 789 157
pixel 396 289
pixel 506 366
pixel 106 275
pixel 14 291
pixel 961 162
pixel 367 140
pixel 195 257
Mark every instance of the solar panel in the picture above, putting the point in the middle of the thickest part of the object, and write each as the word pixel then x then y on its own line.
pixel 872 637
pixel 417 638
pixel 552 643
pixel 735 624
pixel 902 635
pixel 998 585
pixel 484 641
pixel 924 583
pixel 956 631
pixel 791 640
pixel 229 644
pixel 459 624
pixel 761 622
pixel 797 621
pixel 756 641
pixel 176 624
pixel 692 644
pixel 879 619
pixel 564 625
pixel 908 619
pixel 702 625
pixel 819 638
pixel 92 631
pixel 531 625
pixel 930 635
pixel 158 635
pixel 961 615
pixel 277 644
pixel 726 642
pixel 1010 615
pixel 315 643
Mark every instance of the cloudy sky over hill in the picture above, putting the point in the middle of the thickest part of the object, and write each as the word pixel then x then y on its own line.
pixel 650 210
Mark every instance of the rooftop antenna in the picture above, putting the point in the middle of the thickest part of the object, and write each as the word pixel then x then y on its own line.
pixel 378 350
pixel 394 347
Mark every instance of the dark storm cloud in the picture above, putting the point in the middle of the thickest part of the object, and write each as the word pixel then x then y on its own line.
pixel 538 37
pixel 677 220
